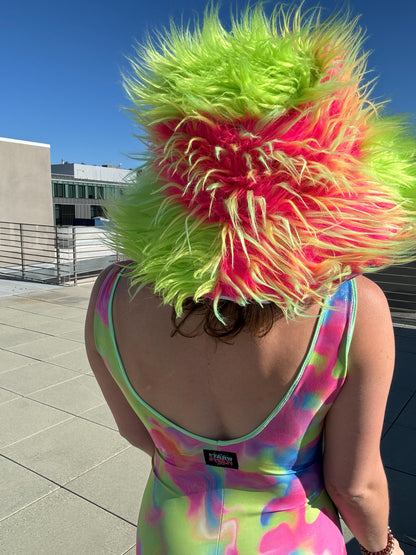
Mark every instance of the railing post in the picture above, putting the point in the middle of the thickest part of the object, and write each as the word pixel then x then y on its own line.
pixel 22 251
pixel 58 261
pixel 74 254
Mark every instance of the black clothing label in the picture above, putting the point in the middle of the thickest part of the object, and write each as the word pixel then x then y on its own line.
pixel 220 458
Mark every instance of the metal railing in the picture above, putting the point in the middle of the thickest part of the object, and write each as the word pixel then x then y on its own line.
pixel 62 255
pixel 52 254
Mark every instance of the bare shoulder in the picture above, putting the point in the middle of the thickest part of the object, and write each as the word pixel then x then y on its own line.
pixel 373 326
pixel 369 293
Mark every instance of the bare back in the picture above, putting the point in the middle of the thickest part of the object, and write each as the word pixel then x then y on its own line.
pixel 210 388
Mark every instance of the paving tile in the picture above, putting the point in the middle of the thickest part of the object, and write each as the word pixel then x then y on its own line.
pixel 101 415
pixel 85 287
pixel 75 335
pixel 6 396
pixel 398 397
pixel 80 316
pixel 8 315
pixel 51 326
pixel 398 449
pixel 352 547
pixel 117 484
pixel 66 524
pixel 19 487
pixel 79 299
pixel 11 336
pixel 18 287
pixel 66 451
pixel 73 301
pixel 346 531
pixel 21 302
pixel 65 312
pixel 61 295
pixel 77 360
pixel 51 309
pixel 402 500
pixel 408 416
pixel 46 347
pixel 404 332
pixel 76 395
pixel 404 372
pixel 53 322
pixel 33 377
pixel 10 360
pixel 27 320
pixel 406 344
pixel 22 418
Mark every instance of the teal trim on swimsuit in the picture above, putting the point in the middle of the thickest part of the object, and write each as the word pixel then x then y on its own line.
pixel 203 439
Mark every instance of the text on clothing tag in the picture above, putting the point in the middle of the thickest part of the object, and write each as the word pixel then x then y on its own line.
pixel 221 458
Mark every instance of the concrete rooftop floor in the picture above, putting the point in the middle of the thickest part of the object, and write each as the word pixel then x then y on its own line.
pixel 69 484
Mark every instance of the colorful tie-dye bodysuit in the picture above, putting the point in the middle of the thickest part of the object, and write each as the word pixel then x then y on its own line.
pixel 259 494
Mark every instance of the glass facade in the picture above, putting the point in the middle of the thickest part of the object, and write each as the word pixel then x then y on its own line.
pixel 101 191
pixel 83 211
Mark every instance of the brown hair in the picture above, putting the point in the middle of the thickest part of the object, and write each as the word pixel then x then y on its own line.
pixel 253 318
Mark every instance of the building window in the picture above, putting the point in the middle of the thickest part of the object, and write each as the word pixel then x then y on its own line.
pixel 91 191
pixel 58 218
pixel 82 191
pixel 97 211
pixel 72 190
pixel 64 214
pixel 59 190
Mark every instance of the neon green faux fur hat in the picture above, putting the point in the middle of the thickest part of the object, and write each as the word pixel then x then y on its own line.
pixel 270 176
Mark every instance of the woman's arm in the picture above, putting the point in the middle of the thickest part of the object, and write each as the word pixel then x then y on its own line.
pixel 353 470
pixel 129 424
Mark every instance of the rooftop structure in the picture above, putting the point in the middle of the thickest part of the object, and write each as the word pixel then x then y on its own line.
pixel 105 173
pixel 79 190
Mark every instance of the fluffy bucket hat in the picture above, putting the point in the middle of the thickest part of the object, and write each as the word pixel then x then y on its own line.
pixel 270 175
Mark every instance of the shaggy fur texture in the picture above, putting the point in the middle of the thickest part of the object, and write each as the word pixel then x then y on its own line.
pixel 270 176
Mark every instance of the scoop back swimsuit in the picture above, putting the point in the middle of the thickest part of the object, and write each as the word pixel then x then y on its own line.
pixel 262 493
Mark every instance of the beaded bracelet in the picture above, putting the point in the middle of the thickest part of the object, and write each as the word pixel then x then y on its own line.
pixel 388 550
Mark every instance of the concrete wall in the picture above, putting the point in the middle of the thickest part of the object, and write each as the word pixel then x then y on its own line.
pixel 93 173
pixel 25 182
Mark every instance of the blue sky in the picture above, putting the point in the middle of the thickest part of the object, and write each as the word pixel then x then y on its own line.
pixel 61 60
